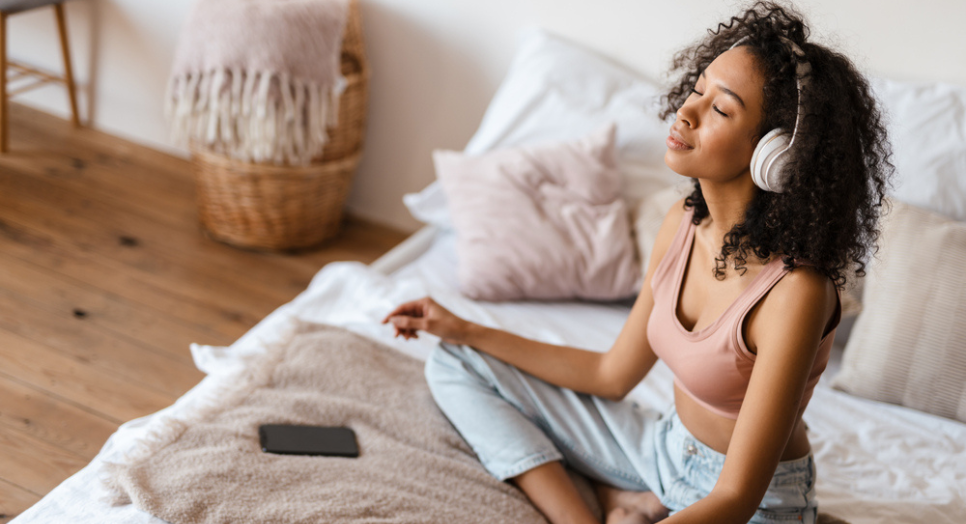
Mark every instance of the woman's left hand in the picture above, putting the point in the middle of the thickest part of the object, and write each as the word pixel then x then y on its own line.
pixel 425 314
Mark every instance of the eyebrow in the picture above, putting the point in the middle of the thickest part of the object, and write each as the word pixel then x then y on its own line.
pixel 729 92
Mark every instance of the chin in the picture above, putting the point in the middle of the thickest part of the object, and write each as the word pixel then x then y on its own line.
pixel 669 162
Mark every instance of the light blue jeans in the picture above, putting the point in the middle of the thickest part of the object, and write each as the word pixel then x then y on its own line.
pixel 515 422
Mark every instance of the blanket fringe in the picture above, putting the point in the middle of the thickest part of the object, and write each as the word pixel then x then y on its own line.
pixel 261 117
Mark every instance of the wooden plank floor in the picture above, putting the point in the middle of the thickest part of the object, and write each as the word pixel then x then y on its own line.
pixel 105 279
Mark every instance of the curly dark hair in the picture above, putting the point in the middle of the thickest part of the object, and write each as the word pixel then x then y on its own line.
pixel 839 165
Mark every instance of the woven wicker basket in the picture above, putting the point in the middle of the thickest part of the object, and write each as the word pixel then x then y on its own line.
pixel 272 207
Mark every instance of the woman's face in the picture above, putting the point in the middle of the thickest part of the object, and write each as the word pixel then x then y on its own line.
pixel 716 129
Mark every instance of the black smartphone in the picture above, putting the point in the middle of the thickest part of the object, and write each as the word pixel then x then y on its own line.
pixel 308 440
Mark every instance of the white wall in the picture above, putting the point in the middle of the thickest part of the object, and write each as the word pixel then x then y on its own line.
pixel 436 63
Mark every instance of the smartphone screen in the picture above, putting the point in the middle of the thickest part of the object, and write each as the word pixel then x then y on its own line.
pixel 308 440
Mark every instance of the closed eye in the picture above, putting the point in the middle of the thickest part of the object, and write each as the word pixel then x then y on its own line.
pixel 720 112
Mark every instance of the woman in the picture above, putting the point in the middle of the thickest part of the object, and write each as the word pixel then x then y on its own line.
pixel 747 341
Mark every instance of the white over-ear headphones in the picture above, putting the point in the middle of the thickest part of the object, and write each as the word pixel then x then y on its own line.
pixel 768 161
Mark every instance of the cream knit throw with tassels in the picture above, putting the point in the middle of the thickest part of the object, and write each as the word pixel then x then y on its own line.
pixel 258 80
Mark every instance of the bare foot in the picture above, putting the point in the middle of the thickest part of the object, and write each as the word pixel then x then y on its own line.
pixel 625 516
pixel 644 503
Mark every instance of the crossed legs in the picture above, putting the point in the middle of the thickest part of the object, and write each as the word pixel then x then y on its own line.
pixel 523 430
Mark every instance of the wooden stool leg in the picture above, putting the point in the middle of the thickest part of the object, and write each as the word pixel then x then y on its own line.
pixel 3 82
pixel 68 72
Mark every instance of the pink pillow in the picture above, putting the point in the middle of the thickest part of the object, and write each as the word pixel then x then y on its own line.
pixel 541 222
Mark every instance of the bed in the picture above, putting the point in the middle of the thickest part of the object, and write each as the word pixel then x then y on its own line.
pixel 878 462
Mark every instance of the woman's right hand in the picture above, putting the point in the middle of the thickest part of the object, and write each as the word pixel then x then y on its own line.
pixel 425 314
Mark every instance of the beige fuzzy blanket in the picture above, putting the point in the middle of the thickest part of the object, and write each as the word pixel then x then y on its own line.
pixel 413 466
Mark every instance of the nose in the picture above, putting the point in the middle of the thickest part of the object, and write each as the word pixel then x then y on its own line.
pixel 687 115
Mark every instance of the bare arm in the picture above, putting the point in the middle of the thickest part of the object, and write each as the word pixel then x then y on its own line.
pixel 610 375
pixel 787 332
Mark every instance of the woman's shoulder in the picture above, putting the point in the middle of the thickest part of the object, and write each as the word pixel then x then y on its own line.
pixel 803 278
pixel 804 286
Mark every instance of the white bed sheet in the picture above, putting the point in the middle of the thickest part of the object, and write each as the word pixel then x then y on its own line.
pixel 877 462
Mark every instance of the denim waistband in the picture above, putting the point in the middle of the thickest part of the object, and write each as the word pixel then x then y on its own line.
pixel 788 471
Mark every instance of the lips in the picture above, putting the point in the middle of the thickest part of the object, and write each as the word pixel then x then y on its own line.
pixel 676 142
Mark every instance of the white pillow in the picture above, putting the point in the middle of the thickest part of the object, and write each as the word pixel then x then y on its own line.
pixel 908 346
pixel 927 127
pixel 556 90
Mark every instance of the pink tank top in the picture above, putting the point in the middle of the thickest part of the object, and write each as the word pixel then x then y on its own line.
pixel 713 365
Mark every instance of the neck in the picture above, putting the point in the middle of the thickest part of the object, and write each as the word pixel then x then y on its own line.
pixel 727 203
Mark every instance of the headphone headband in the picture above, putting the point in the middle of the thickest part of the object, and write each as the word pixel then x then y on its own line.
pixel 802 69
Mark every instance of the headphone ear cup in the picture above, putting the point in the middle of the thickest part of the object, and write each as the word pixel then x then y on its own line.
pixel 768 162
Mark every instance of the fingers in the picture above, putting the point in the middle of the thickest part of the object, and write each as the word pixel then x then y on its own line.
pixel 407 326
pixel 407 323
pixel 407 318
pixel 406 334
pixel 414 308
pixel 404 309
